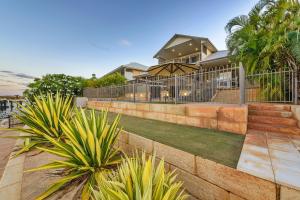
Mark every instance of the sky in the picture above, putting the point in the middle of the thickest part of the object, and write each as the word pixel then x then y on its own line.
pixel 82 37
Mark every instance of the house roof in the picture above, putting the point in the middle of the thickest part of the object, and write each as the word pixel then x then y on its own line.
pixel 188 37
pixel 131 65
pixel 216 56
pixel 135 65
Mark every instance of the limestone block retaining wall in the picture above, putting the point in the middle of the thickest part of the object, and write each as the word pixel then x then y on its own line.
pixel 205 179
pixel 225 117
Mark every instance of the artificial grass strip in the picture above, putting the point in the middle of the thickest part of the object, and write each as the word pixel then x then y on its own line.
pixel 219 146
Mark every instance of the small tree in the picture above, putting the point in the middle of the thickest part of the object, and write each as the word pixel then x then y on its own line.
pixel 53 83
pixel 111 79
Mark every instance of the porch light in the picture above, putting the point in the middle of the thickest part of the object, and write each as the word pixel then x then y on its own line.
pixel 141 95
pixel 173 50
pixel 179 54
pixel 196 49
pixel 190 44
pixel 184 93
pixel 164 93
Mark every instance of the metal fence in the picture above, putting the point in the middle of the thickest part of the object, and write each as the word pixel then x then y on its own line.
pixel 219 84
pixel 274 87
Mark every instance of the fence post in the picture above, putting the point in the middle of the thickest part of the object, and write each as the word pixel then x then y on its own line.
pixel 175 87
pixel 9 121
pixel 133 92
pixel 242 83
pixel 296 86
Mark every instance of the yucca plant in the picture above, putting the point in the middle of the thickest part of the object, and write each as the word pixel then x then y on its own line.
pixel 43 117
pixel 87 151
pixel 138 178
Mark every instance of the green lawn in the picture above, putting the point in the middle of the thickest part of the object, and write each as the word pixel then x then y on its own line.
pixel 219 146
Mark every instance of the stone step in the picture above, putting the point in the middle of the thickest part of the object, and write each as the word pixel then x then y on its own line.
pixel 272 120
pixel 285 114
pixel 269 107
pixel 273 128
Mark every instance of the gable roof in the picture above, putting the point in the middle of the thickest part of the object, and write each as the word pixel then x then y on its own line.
pixel 217 55
pixel 131 65
pixel 188 37
pixel 135 65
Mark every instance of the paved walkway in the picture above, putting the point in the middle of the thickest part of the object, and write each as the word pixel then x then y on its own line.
pixel 6 147
pixel 272 156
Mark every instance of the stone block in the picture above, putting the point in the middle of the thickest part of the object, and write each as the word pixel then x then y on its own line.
pixel 139 114
pixel 237 182
pixel 142 143
pixel 180 119
pixel 119 110
pixel 127 149
pixel 199 110
pixel 159 108
pixel 154 116
pixel 200 188
pixel 12 192
pixel 129 112
pixel 124 137
pixel 131 106
pixel 202 122
pixel 176 157
pixel 170 118
pixel 142 107
pixel 233 114
pixel 175 109
pixel 287 193
pixel 234 127
pixel 193 121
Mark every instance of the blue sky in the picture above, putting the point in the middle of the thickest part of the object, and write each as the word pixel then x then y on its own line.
pixel 88 36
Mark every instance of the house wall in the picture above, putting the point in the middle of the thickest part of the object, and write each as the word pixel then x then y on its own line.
pixel 130 73
pixel 205 179
pixel 223 117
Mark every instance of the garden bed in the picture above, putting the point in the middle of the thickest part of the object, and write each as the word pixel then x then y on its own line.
pixel 219 146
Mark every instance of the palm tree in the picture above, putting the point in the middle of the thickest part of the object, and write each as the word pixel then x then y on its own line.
pixel 260 39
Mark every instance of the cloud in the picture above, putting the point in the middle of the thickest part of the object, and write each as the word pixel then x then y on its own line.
pixel 24 76
pixel 125 42
pixel 12 83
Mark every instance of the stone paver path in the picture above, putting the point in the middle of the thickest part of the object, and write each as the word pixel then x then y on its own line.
pixel 272 156
pixel 6 147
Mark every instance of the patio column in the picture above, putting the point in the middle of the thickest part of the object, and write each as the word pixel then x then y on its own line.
pixel 242 83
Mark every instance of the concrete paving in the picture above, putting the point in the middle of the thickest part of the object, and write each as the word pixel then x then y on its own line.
pixel 6 147
pixel 272 156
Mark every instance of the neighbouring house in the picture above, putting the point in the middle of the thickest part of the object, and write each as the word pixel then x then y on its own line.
pixel 129 71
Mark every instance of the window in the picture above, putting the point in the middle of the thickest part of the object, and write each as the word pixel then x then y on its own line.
pixel 193 59
pixel 204 50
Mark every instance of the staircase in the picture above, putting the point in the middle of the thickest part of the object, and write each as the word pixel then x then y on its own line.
pixel 272 118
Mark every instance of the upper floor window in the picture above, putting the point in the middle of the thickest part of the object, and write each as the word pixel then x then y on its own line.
pixel 193 59
pixel 204 49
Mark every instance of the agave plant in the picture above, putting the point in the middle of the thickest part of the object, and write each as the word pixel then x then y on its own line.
pixel 87 151
pixel 43 117
pixel 138 178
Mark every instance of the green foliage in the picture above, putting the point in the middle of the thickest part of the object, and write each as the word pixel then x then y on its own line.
pixel 260 39
pixel 43 118
pixel 294 44
pixel 138 178
pixel 53 83
pixel 87 151
pixel 112 79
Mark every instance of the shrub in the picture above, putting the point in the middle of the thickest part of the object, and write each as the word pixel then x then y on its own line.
pixel 87 152
pixel 53 83
pixel 43 117
pixel 112 79
pixel 138 178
